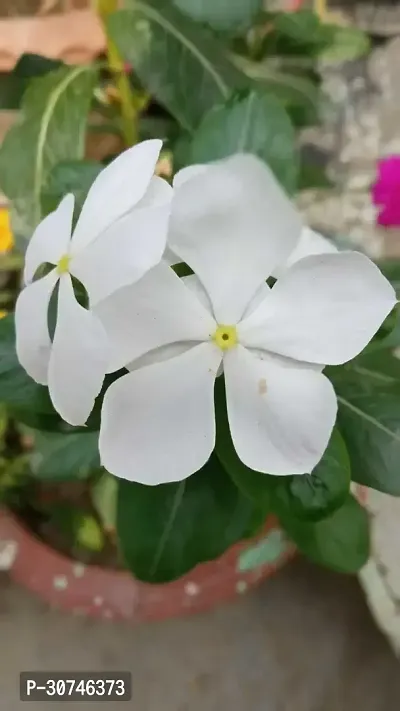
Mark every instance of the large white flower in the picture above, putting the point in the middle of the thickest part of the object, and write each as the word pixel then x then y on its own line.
pixel 234 226
pixel 120 234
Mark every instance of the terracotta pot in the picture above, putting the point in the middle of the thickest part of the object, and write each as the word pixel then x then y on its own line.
pixel 75 36
pixel 111 594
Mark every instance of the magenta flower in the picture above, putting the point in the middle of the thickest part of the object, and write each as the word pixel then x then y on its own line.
pixel 386 191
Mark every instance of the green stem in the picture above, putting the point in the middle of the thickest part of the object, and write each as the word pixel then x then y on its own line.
pixel 129 112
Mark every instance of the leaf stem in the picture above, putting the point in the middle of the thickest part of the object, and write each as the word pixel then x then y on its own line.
pixel 129 114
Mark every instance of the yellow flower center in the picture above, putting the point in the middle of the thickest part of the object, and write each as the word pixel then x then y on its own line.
pixel 63 264
pixel 225 337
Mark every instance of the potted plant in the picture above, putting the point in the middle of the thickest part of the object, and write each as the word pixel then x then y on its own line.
pixel 146 531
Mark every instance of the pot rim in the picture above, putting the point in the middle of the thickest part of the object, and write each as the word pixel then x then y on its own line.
pixel 75 36
pixel 113 594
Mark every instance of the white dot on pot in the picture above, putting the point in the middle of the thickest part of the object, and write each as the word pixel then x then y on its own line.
pixel 241 586
pixel 8 554
pixel 79 570
pixel 60 582
pixel 192 589
pixel 98 601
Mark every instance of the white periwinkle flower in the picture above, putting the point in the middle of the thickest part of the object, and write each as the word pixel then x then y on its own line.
pixel 234 226
pixel 120 234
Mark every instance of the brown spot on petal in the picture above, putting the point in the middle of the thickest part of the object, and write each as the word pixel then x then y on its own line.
pixel 262 386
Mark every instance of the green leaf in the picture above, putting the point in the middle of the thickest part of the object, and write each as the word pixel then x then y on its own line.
pixel 65 456
pixel 165 531
pixel 303 27
pixel 14 84
pixel 314 496
pixel 340 542
pixel 312 177
pixel 391 269
pixel 181 64
pixel 257 124
pixel 348 44
pixel 31 65
pixel 300 96
pixel 104 496
pixel 369 421
pixel 223 15
pixel 379 364
pixel 69 177
pixel 88 533
pixel 12 89
pixel 51 129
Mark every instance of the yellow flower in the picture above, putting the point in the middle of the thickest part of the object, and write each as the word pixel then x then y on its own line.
pixel 3 313
pixel 6 237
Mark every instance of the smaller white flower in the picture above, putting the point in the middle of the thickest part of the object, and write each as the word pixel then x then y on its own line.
pixel 120 234
pixel 233 225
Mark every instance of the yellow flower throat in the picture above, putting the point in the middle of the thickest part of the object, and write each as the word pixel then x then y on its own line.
pixel 63 264
pixel 225 337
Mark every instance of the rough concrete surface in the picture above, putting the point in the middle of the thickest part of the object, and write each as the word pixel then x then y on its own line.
pixel 304 641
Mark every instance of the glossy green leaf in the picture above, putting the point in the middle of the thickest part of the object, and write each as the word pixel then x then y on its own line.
pixel 347 44
pixel 180 63
pixel 340 542
pixel 223 15
pixel 51 129
pixel 299 95
pixel 65 456
pixel 369 421
pixel 255 123
pixel 69 177
pixel 314 496
pixel 378 365
pixel 165 531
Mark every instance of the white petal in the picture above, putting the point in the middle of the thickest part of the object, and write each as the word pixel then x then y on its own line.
pixel 281 414
pixel 78 358
pixel 159 192
pixel 158 355
pixel 116 190
pixel 192 171
pixel 170 258
pixel 325 309
pixel 310 242
pixel 32 333
pixel 158 422
pixel 50 241
pixel 233 225
pixel 127 249
pixel 193 283
pixel 155 312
